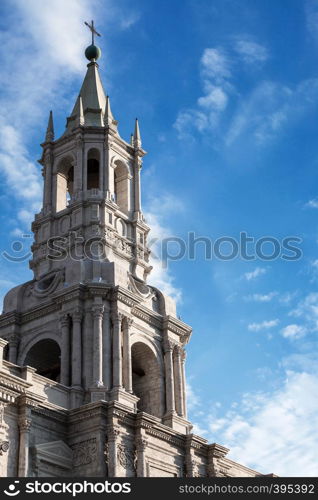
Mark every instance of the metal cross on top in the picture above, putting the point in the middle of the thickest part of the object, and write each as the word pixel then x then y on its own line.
pixel 94 32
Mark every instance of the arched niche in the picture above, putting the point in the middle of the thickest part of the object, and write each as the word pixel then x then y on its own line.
pixel 93 166
pixel 147 379
pixel 64 183
pixel 45 356
pixel 122 186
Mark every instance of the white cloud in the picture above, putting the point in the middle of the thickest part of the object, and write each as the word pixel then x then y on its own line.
pixel 264 325
pixel 312 203
pixel 270 107
pixel 251 52
pixel 259 271
pixel 215 99
pixel 293 331
pixel 215 73
pixel 215 64
pixel 258 297
pixel 273 431
pixel 311 11
pixel 156 214
pixel 270 431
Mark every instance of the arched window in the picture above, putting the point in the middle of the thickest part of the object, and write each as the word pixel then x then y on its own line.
pixel 121 186
pixel 45 356
pixel 147 380
pixel 64 184
pixel 93 161
pixel 6 352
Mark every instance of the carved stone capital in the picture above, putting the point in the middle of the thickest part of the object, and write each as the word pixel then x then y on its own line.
pixel 24 424
pixel 113 433
pixel 77 315
pixel 168 345
pixel 177 351
pixel 14 340
pixel 64 320
pixel 98 310
pixel 141 443
pixel 117 317
pixel 183 355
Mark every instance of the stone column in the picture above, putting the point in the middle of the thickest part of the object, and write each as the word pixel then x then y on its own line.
pixel 178 381
pixel 47 174
pixel 111 450
pixel 128 322
pixel 78 169
pixel 77 349
pixel 170 406
pixel 107 354
pixel 217 465
pixel 141 446
pixel 13 348
pixel 97 311
pixel 3 344
pixel 24 428
pixel 105 166
pixel 137 191
pixel 65 349
pixel 183 359
pixel 117 357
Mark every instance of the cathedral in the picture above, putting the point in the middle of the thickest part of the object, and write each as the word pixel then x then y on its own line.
pixel 92 358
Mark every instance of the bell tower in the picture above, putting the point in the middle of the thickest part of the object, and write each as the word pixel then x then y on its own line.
pixel 106 333
pixel 91 224
pixel 92 357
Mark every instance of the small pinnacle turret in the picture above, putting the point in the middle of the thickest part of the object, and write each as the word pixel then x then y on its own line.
pixel 137 137
pixel 49 136
pixel 109 120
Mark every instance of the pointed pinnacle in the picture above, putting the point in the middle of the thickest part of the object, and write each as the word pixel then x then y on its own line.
pixel 137 138
pixel 81 119
pixel 131 139
pixel 109 120
pixel 108 116
pixel 49 136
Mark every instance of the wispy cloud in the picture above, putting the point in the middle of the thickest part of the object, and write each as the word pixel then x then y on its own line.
pixel 312 203
pixel 264 325
pixel 215 74
pixel 250 51
pixel 263 114
pixel 252 275
pixel 269 431
pixel 157 212
pixel 293 331
pixel 259 297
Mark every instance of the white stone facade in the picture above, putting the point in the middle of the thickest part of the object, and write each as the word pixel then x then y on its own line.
pixel 92 378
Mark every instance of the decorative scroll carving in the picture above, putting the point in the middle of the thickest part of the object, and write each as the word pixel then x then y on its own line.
pixel 4 447
pixel 127 457
pixel 84 452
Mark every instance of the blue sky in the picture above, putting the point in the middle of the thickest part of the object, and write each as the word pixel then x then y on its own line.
pixel 226 93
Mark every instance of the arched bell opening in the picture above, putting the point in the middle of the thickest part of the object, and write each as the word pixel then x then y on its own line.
pixel 64 184
pixel 147 380
pixel 93 166
pixel 122 186
pixel 45 356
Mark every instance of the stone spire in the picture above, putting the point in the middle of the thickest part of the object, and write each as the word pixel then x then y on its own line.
pixel 137 138
pixel 93 101
pixel 109 120
pixel 49 136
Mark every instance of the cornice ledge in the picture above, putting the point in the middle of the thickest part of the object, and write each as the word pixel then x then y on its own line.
pixel 123 295
pixel 9 318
